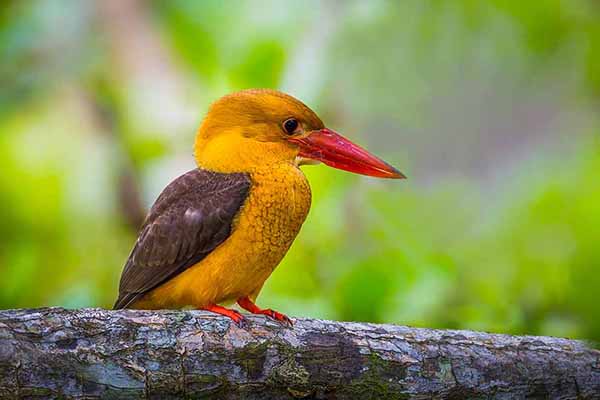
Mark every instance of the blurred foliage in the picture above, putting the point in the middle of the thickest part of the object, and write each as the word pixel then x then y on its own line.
pixel 490 108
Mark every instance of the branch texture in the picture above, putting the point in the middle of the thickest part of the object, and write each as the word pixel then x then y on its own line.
pixel 93 353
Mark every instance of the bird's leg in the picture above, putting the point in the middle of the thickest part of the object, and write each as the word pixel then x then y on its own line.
pixel 248 305
pixel 234 315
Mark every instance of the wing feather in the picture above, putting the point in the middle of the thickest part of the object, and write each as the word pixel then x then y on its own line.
pixel 190 218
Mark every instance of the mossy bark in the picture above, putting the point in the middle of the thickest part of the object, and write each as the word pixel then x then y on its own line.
pixel 92 353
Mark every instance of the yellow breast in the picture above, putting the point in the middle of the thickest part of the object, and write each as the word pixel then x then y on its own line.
pixel 263 231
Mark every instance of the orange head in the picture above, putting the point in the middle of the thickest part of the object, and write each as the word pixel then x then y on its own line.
pixel 259 127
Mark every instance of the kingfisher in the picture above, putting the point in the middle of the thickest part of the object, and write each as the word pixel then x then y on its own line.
pixel 216 233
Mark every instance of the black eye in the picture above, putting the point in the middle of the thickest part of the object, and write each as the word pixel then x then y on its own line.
pixel 290 125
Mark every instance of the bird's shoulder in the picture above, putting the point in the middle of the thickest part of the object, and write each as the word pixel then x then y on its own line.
pixel 198 186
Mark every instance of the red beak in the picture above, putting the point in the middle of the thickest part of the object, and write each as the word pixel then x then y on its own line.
pixel 338 152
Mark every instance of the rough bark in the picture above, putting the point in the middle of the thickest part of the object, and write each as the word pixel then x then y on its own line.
pixel 93 353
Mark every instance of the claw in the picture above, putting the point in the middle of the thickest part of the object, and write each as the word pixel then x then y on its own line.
pixel 278 316
pixel 247 304
pixel 235 316
pixel 242 322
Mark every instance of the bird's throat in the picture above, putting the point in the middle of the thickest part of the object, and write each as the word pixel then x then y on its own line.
pixel 234 153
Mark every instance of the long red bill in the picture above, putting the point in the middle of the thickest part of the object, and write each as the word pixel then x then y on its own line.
pixel 338 152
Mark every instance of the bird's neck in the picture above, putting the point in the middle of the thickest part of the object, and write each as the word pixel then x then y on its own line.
pixel 234 153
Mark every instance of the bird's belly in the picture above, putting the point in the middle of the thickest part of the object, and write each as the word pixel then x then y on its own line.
pixel 262 234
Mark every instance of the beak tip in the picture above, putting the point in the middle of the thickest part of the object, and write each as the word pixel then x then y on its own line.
pixel 395 174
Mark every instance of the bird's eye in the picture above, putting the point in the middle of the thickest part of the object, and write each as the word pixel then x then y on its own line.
pixel 290 125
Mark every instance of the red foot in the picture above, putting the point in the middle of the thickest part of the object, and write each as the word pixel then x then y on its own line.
pixel 247 304
pixel 234 315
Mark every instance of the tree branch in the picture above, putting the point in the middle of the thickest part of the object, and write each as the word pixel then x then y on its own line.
pixel 92 353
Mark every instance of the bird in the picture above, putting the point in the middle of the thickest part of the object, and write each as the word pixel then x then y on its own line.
pixel 216 233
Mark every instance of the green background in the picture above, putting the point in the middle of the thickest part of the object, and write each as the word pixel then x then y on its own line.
pixel 489 107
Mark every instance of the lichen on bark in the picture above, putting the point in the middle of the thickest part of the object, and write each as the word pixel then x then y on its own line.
pixel 93 353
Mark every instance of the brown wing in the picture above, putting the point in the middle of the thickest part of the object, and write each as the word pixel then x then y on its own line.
pixel 191 217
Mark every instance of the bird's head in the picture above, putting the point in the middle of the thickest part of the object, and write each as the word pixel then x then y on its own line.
pixel 254 128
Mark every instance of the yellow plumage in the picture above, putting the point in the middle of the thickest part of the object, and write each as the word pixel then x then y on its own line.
pixel 263 231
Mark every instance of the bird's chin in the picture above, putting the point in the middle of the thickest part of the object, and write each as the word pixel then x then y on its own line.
pixel 305 161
